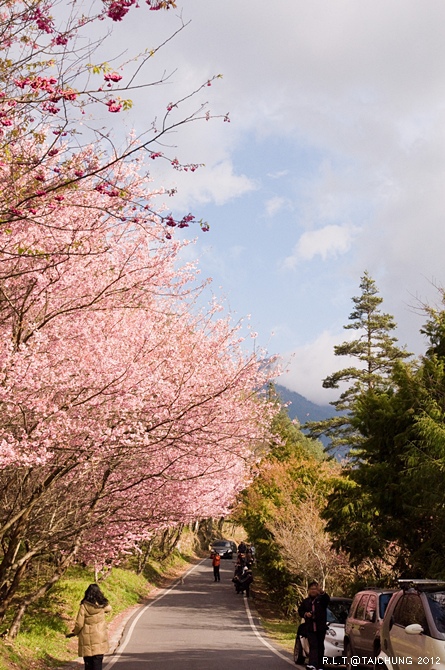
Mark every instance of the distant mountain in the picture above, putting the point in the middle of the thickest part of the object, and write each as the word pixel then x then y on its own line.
pixel 303 409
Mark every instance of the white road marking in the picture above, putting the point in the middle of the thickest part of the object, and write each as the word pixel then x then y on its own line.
pixel 124 643
pixel 260 637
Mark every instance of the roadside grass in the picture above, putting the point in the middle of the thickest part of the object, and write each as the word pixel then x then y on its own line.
pixel 282 632
pixel 156 570
pixel 41 643
pixel 280 629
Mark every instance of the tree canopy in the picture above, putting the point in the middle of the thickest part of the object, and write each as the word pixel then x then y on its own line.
pixel 375 351
pixel 390 505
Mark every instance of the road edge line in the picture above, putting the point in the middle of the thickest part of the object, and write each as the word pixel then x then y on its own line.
pixel 260 637
pixel 128 634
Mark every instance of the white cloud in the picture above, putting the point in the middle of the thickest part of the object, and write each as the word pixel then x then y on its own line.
pixel 216 181
pixel 311 363
pixel 276 204
pixel 328 242
pixel 278 174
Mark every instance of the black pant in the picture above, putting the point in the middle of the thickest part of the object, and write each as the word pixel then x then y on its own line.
pixel 216 573
pixel 316 647
pixel 93 662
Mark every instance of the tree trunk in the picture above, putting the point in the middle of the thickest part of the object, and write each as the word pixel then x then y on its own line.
pixel 9 592
pixel 205 532
pixel 40 592
pixel 143 556
pixel 170 539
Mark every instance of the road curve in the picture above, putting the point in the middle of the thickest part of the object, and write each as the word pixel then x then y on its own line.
pixel 197 625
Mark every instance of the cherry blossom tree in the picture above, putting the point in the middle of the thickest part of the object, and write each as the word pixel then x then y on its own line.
pixel 126 409
pixel 53 92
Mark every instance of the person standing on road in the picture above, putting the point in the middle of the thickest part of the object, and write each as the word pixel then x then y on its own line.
pixel 91 628
pixel 314 611
pixel 216 562
pixel 245 582
pixel 242 548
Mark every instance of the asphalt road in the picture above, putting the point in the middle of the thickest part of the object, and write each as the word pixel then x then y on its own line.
pixel 197 625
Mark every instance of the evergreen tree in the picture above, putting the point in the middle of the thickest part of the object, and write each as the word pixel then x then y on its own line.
pixel 393 500
pixel 376 351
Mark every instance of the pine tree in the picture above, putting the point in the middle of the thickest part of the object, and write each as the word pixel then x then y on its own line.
pixel 391 503
pixel 376 351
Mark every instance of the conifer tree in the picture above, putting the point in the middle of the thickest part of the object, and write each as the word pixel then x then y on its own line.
pixel 376 351
pixel 391 504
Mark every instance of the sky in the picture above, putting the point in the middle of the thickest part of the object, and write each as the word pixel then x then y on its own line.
pixel 333 162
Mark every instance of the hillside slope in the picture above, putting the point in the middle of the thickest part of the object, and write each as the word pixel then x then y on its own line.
pixel 303 409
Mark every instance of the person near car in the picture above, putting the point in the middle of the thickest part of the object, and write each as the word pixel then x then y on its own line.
pixel 216 562
pixel 91 628
pixel 242 548
pixel 313 609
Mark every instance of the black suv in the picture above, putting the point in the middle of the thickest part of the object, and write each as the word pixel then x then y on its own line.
pixel 362 629
pixel 225 548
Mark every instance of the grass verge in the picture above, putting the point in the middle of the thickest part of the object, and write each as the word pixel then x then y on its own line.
pixel 278 628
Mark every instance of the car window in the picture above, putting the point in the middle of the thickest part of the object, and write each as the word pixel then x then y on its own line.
pixel 383 603
pixel 371 608
pixel 331 618
pixel 436 602
pixel 338 610
pixel 361 608
pixel 355 602
pixel 410 610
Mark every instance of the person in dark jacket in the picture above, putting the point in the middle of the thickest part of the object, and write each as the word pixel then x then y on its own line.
pixel 242 548
pixel 245 581
pixel 313 609
pixel 239 569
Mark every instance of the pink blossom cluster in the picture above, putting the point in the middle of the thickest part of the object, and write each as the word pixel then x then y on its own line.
pixel 47 85
pixel 183 223
pixel 40 15
pixel 37 83
pixel 114 105
pixel 117 9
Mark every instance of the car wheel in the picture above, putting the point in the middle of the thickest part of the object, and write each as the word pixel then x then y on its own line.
pixel 379 663
pixel 298 652
pixel 348 656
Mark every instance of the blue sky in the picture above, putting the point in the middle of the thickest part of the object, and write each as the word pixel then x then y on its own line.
pixel 333 163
